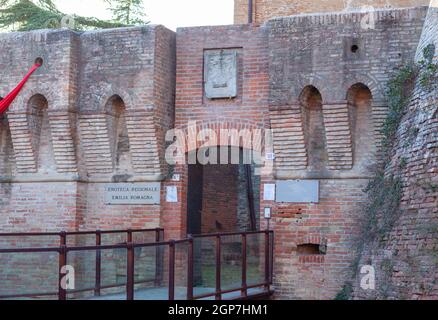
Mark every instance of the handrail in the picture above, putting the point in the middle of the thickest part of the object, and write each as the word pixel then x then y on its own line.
pixel 224 234
pixel 63 250
pixel 68 233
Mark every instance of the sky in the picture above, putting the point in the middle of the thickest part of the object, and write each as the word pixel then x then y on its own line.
pixel 170 13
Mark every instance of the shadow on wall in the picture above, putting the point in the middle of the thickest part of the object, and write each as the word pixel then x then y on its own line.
pixel 119 139
pixel 7 159
pixel 359 99
pixel 40 133
pixel 314 130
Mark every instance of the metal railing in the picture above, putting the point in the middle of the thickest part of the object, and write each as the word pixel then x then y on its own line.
pixel 63 251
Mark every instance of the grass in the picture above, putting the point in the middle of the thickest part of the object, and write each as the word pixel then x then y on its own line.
pixel 231 276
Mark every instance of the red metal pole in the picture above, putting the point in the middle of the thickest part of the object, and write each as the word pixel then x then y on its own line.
pixel 244 266
pixel 130 267
pixel 98 264
pixel 271 260
pixel 158 260
pixel 218 268
pixel 190 263
pixel 129 237
pixel 172 270
pixel 62 293
pixel 130 272
pixel 267 260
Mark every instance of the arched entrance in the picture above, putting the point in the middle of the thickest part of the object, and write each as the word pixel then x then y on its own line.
pixel 222 195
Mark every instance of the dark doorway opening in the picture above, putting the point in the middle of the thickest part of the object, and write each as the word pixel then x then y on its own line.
pixel 194 199
pixel 223 196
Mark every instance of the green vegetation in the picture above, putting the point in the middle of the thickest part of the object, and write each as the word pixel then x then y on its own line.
pixel 25 15
pixel 429 75
pixel 384 190
pixel 130 12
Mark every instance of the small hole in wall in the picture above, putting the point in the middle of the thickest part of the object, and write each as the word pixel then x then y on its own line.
pixel 39 61
pixel 310 249
pixel 354 48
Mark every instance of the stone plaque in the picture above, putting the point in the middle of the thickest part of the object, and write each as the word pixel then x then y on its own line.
pixel 132 193
pixel 220 73
pixel 297 191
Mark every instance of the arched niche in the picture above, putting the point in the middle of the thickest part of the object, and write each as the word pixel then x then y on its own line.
pixel 314 130
pixel 360 99
pixel 40 132
pixel 118 134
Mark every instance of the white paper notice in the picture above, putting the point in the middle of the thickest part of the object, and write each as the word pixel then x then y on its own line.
pixel 269 192
pixel 171 194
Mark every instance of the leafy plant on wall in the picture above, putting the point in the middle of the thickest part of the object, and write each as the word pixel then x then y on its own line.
pixel 385 188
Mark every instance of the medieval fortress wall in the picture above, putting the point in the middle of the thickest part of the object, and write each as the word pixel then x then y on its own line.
pixel 97 112
pixel 406 260
pixel 263 10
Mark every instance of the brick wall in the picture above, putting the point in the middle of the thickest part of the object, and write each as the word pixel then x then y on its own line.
pixel 95 112
pixel 330 127
pixel 300 57
pixel 247 111
pixel 405 260
pixel 220 195
pixel 263 10
pixel 111 97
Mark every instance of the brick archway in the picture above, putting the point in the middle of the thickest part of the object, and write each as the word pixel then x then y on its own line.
pixel 222 195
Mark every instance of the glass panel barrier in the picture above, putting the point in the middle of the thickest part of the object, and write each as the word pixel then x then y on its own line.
pixel 43 241
pixel 151 273
pixel 255 258
pixel 114 272
pixel 231 262
pixel 204 279
pixel 84 267
pixel 144 237
pixel 29 273
pixel 181 265
pixel 114 238
pixel 80 240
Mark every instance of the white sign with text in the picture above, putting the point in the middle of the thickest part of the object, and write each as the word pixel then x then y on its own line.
pixel 132 193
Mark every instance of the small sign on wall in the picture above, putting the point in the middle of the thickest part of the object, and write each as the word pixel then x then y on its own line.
pixel 297 191
pixel 176 177
pixel 269 192
pixel 171 194
pixel 132 193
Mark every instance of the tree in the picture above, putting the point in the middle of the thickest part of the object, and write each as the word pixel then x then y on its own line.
pixel 25 15
pixel 130 12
